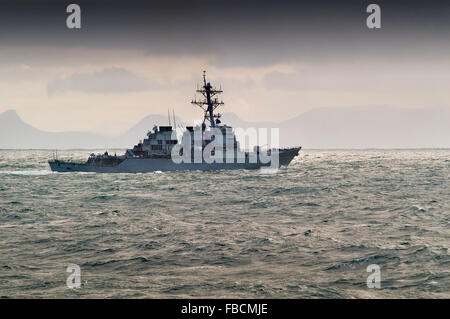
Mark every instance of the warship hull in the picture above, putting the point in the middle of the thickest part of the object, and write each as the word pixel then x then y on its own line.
pixel 147 165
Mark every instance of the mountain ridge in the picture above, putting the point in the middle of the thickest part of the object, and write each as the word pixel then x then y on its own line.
pixel 351 127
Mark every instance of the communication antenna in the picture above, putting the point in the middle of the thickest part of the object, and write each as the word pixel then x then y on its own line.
pixel 210 102
pixel 168 114
pixel 174 120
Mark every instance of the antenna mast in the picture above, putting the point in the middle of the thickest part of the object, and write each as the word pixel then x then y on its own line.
pixel 210 102
pixel 174 121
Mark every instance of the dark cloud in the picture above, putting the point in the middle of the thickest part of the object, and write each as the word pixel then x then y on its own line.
pixel 237 33
pixel 109 80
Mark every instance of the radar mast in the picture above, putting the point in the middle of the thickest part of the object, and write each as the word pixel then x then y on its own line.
pixel 209 103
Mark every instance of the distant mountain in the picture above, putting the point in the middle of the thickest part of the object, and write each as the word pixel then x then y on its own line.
pixel 363 127
pixel 369 127
pixel 380 127
pixel 16 134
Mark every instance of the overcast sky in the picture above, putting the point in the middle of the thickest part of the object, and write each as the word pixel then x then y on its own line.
pixel 273 59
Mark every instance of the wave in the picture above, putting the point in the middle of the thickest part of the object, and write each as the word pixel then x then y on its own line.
pixel 29 172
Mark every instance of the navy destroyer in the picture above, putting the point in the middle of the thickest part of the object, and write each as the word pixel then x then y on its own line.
pixel 210 145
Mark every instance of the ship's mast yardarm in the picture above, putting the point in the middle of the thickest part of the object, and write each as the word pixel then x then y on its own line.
pixel 210 101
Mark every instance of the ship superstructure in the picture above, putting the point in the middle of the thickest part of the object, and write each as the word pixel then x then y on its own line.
pixel 158 144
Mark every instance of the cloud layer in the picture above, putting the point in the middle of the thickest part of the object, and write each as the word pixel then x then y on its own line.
pixel 108 80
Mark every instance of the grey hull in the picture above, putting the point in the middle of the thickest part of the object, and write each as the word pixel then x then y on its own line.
pixel 146 165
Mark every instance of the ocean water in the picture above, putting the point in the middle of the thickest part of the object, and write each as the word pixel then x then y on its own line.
pixel 309 231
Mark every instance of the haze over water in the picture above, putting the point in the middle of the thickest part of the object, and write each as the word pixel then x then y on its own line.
pixel 310 230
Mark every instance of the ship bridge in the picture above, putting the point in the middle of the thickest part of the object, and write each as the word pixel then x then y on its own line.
pixel 159 143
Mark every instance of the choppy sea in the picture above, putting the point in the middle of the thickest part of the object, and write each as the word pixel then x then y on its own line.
pixel 309 231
